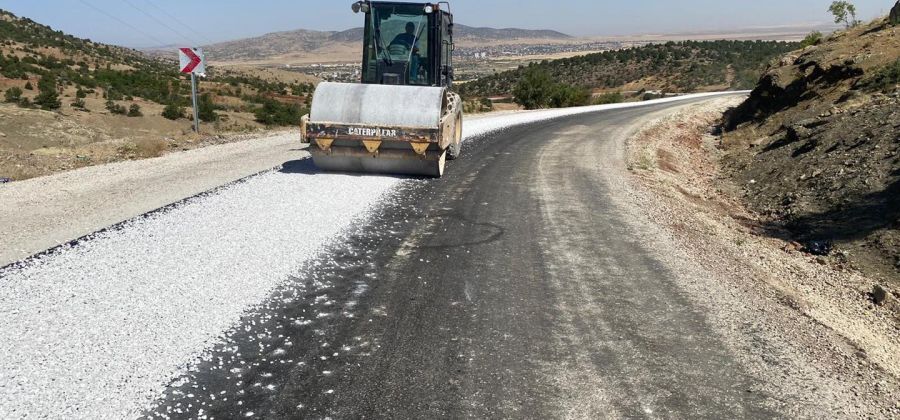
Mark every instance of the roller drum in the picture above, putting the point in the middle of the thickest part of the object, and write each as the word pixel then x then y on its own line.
pixel 409 124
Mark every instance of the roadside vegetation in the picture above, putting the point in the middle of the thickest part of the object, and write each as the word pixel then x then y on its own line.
pixel 687 66
pixel 63 65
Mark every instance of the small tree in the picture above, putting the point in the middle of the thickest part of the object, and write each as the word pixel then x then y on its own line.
pixel 78 103
pixel 135 111
pixel 13 94
pixel 534 89
pixel 114 95
pixel 29 86
pixel 80 94
pixel 206 109
pixel 844 12
pixel 47 98
pixel 173 112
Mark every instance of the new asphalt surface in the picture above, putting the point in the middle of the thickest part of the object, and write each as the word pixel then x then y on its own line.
pixel 510 288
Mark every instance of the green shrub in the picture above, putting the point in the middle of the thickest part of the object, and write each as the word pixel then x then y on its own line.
pixel 115 108
pixel 537 90
pixel 814 38
pixel 114 95
pixel 135 111
pixel 80 94
pixel 609 98
pixel 13 94
pixel 206 109
pixel 78 103
pixel 564 96
pixel 885 79
pixel 28 86
pixel 173 112
pixel 276 113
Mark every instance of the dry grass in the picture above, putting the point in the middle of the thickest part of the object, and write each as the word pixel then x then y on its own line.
pixel 144 148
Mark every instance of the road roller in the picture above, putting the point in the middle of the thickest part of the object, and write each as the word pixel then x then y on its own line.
pixel 402 117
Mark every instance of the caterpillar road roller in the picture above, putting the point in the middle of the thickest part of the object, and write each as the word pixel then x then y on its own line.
pixel 402 118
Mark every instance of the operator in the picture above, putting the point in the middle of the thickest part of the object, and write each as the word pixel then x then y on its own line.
pixel 406 39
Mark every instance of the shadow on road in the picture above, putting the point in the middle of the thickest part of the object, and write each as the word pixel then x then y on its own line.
pixel 302 166
pixel 307 167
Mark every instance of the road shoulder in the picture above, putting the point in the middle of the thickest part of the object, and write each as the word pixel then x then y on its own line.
pixel 816 311
pixel 41 213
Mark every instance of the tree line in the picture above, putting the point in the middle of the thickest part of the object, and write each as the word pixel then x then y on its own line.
pixel 686 65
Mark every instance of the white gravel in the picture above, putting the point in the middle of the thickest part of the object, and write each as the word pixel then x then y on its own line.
pixel 44 212
pixel 97 329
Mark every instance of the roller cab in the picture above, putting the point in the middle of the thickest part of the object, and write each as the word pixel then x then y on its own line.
pixel 402 118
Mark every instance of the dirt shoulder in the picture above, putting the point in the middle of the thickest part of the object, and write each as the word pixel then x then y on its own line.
pixel 44 212
pixel 815 314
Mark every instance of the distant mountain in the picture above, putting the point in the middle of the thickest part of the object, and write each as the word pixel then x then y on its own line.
pixel 469 32
pixel 278 44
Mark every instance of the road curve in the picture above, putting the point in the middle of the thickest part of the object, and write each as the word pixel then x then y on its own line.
pixel 512 287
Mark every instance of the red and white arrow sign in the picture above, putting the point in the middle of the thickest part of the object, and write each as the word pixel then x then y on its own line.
pixel 192 60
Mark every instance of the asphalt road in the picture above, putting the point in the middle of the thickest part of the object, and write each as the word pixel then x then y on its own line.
pixel 511 288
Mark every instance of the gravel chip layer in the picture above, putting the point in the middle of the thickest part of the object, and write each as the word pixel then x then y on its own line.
pixel 101 325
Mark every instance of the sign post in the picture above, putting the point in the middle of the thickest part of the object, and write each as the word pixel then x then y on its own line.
pixel 194 100
pixel 193 61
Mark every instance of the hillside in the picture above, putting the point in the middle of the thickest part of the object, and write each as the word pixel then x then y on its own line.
pixel 70 102
pixel 672 67
pixel 299 42
pixel 816 148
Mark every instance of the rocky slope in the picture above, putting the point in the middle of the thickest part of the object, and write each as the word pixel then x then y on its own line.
pixel 816 148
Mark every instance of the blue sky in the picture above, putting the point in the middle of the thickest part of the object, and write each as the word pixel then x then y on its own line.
pixel 125 22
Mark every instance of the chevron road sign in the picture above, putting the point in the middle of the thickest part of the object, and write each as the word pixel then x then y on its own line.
pixel 191 60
